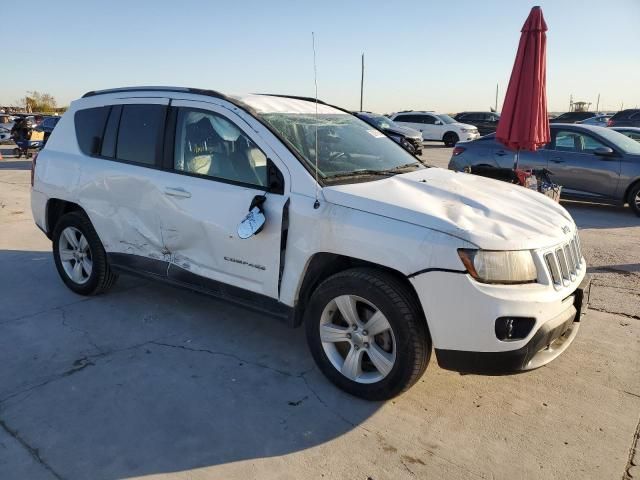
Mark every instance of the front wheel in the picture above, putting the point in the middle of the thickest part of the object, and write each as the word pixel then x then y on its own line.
pixel 634 199
pixel 450 139
pixel 367 333
pixel 80 257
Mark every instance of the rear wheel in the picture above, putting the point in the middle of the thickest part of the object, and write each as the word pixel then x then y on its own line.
pixel 367 333
pixel 79 256
pixel 634 199
pixel 450 139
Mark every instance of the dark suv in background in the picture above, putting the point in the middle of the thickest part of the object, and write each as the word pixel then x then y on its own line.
pixel 485 122
pixel 625 118
pixel 572 117
pixel 408 138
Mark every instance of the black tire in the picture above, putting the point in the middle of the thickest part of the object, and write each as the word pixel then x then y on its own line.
pixel 450 139
pixel 17 152
pixel 634 199
pixel 102 277
pixel 401 309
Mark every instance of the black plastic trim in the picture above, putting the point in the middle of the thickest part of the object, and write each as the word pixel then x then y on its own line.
pixel 175 275
pixel 428 270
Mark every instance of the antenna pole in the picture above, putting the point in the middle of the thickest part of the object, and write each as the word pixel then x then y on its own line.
pixel 598 104
pixel 316 204
pixel 362 81
pixel 496 106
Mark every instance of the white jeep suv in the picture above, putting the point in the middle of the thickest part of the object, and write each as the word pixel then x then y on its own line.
pixel 302 210
pixel 436 126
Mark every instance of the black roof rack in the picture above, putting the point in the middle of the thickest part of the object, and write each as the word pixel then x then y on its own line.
pixel 198 91
pixel 294 97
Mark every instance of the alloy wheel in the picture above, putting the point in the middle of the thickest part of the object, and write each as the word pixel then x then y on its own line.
pixel 75 255
pixel 357 339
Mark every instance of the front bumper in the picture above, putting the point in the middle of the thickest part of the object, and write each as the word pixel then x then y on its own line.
pixel 466 137
pixel 548 342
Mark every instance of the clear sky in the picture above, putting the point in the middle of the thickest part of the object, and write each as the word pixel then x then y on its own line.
pixel 436 55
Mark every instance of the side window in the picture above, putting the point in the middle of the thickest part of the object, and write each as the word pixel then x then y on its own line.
pixel 569 141
pixel 428 119
pixel 405 118
pixel 140 133
pixel 89 125
pixel 634 135
pixel 589 144
pixel 209 144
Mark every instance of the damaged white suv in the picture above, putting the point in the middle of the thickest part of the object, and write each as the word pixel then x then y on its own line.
pixel 302 210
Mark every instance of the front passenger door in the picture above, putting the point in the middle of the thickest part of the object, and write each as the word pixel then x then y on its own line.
pixel 578 169
pixel 215 169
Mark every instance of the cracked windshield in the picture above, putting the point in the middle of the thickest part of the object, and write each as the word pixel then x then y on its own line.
pixel 347 147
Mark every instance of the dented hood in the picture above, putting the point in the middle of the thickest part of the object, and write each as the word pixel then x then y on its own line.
pixel 491 214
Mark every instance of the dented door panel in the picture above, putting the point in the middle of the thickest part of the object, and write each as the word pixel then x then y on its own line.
pixel 201 217
pixel 124 203
pixel 200 234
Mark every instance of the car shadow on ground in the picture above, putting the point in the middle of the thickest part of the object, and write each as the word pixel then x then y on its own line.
pixel 596 215
pixel 15 164
pixel 150 379
pixel 434 145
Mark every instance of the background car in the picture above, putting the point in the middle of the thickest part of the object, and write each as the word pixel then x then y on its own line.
pixel 572 117
pixel 410 139
pixel 598 120
pixel 626 118
pixel 591 163
pixel 631 132
pixel 47 126
pixel 436 126
pixel 485 122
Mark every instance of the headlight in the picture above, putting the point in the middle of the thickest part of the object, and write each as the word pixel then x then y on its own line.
pixel 469 130
pixel 490 266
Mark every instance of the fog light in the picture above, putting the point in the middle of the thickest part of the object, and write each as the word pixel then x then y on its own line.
pixel 513 328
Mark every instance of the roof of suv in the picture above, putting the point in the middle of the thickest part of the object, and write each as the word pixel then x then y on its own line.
pixel 259 103
pixel 625 113
pixel 413 111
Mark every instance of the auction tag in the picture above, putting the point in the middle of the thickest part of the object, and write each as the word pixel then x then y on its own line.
pixel 376 133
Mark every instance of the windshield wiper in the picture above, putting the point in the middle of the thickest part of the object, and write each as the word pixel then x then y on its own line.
pixel 386 172
pixel 357 173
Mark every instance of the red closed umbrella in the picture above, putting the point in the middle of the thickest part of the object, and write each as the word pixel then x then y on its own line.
pixel 524 124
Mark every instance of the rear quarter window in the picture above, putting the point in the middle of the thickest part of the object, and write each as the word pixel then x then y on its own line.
pixel 89 125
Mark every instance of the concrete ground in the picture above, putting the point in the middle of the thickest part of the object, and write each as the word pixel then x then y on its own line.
pixel 149 381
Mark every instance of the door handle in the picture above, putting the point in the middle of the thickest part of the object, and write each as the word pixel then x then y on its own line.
pixel 501 153
pixel 557 160
pixel 177 192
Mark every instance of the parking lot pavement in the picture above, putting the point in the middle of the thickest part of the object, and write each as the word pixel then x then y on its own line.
pixel 155 382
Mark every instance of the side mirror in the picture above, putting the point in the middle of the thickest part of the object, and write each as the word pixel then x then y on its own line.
pixel 438 122
pixel 253 223
pixel 603 151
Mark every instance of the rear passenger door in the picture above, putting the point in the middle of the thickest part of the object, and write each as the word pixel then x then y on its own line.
pixel 121 171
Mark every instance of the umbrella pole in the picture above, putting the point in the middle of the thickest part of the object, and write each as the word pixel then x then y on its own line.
pixel 515 160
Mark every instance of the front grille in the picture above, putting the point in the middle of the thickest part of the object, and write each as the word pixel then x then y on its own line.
pixel 564 262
